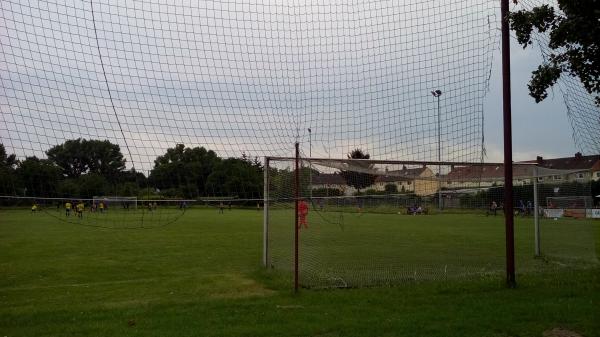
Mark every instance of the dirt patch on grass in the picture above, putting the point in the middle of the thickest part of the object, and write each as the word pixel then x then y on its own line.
pixel 558 332
pixel 239 286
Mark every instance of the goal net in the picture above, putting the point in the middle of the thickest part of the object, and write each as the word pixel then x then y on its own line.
pixel 116 202
pixel 370 222
pixel 568 232
pixel 570 202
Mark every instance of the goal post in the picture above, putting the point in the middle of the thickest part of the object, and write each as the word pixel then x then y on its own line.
pixel 376 222
pixel 117 201
pixel 341 193
pixel 266 183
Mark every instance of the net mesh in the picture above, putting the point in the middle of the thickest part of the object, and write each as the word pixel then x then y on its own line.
pixel 191 93
pixel 391 228
pixel 582 111
pixel 111 213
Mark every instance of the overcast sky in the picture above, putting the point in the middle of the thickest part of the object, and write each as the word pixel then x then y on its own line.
pixel 539 129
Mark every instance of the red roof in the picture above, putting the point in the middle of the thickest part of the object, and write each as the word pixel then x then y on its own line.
pixel 577 162
pixel 485 172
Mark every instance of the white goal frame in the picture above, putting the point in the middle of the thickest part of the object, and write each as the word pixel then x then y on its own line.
pixel 118 200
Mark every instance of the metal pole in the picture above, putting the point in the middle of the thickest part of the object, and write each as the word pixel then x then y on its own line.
pixel 310 163
pixel 439 154
pixel 536 215
pixel 508 173
pixel 266 213
pixel 296 195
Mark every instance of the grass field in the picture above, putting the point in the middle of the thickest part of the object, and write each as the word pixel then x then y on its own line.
pixel 202 276
pixel 367 249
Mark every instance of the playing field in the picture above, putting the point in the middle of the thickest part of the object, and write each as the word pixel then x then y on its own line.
pixel 202 275
pixel 354 249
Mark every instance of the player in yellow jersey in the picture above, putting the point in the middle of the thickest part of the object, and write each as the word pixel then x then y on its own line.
pixel 80 208
pixel 68 207
pixel 34 208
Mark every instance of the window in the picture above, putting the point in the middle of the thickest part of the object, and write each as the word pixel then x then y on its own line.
pixel 579 176
pixel 598 174
pixel 540 179
pixel 557 177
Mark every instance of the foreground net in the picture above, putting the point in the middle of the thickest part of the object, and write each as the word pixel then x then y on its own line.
pixel 371 223
pixel 178 100
pixel 105 212
pixel 582 111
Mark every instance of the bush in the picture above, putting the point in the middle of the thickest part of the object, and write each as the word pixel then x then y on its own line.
pixel 391 188
pixel 326 192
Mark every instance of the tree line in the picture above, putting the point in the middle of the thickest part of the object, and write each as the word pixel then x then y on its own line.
pixel 82 168
pixel 86 168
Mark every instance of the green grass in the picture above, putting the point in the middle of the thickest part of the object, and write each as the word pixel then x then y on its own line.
pixel 202 276
pixel 374 249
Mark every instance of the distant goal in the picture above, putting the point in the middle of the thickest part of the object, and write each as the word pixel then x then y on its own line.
pixel 116 202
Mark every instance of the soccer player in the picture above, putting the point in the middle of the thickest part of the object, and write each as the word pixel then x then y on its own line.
pixel 101 206
pixel 302 213
pixel 522 208
pixel 221 207
pixel 68 206
pixel 34 208
pixel 493 208
pixel 80 207
pixel 360 205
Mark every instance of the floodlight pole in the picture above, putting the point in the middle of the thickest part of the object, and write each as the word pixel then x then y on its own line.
pixel 508 171
pixel 437 94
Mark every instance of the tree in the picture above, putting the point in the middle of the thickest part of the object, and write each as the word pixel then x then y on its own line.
pixel 235 178
pixel 184 169
pixel 93 184
pixel 130 183
pixel 391 188
pixel 281 182
pixel 574 39
pixel 357 179
pixel 39 177
pixel 80 156
pixel 6 161
pixel 8 179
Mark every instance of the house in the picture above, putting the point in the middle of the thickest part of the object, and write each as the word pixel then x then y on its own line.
pixel 585 168
pixel 578 168
pixel 416 180
pixel 331 181
pixel 486 175
pixel 422 181
pixel 406 180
